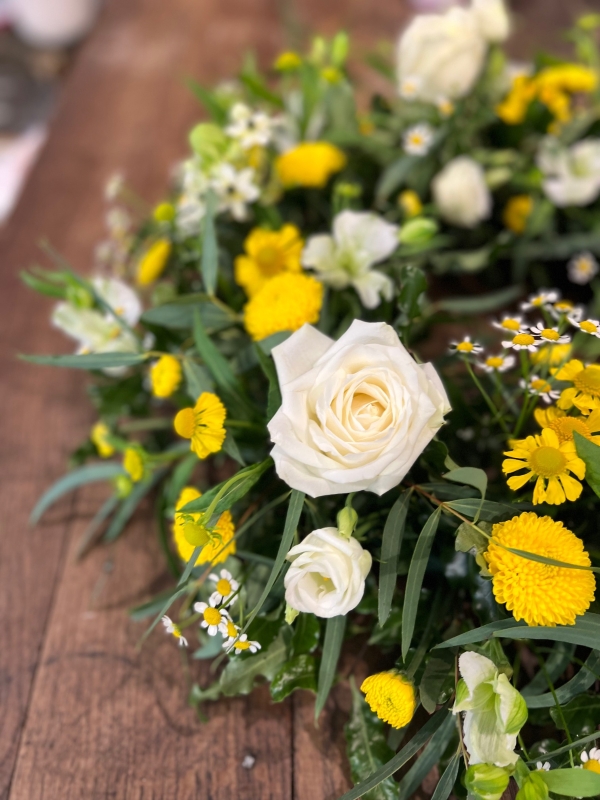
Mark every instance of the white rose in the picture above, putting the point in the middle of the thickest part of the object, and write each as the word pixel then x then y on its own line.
pixel 461 194
pixel 355 413
pixel 572 175
pixel 443 54
pixel 327 574
pixel 493 19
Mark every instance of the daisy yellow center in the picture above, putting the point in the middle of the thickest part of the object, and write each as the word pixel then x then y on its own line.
pixel 592 765
pixel 563 427
pixel 540 385
pixel 269 260
pixel 494 361
pixel 511 324
pixel 465 347
pixel 564 306
pixel 547 461
pixel 224 587
pixel 588 380
pixel 416 139
pixel 524 339
pixel 588 327
pixel 176 631
pixel 242 645
pixel 551 334
pixel 231 629
pixel 212 616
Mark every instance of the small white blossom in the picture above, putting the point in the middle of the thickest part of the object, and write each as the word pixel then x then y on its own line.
pixel 591 755
pixel 241 644
pixel 226 586
pixel 513 323
pixel 174 630
pixel 418 139
pixel 410 87
pixel 591 326
pixel 466 347
pixel 544 298
pixel 235 189
pixel 250 128
pixel 550 335
pixel 582 268
pixel 542 766
pixel 566 308
pixel 541 388
pixel 213 618
pixel 497 363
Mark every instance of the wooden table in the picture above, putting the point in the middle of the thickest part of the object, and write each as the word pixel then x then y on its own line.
pixel 83 715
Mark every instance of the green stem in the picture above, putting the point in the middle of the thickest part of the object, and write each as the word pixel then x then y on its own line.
pixel 496 414
pixel 559 710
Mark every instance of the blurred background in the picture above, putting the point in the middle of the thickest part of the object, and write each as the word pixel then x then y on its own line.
pixel 40 39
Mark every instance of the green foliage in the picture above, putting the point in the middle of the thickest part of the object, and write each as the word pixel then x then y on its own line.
pixel 332 647
pixel 297 673
pixel 391 542
pixel 91 473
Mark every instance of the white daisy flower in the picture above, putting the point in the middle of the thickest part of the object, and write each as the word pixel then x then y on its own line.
pixel 522 341
pixel 514 324
pixel 591 326
pixel 550 335
pixel 250 128
pixel 544 298
pixel 114 186
pixel 418 139
pixel 445 106
pixel 591 759
pixel 213 618
pixel 541 388
pixel 241 645
pixel 497 363
pixel 566 308
pixel 410 86
pixel 226 586
pixel 174 630
pixel 582 268
pixel 466 347
pixel 235 189
pixel 542 766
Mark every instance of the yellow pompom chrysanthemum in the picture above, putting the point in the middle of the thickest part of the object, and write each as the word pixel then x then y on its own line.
pixel 153 262
pixel 99 437
pixel 564 426
pixel 215 551
pixel 285 303
pixel 268 253
pixel 540 594
pixel 391 695
pixel 309 164
pixel 133 464
pixel 203 424
pixel 165 376
pixel 584 394
pixel 550 461
pixel 517 211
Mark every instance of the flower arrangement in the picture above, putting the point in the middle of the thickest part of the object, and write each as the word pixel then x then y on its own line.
pixel 255 343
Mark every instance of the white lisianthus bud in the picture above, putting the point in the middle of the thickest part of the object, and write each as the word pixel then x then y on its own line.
pixel 327 574
pixel 461 193
pixel 493 19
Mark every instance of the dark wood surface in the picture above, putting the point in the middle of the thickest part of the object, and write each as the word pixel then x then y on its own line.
pixel 84 715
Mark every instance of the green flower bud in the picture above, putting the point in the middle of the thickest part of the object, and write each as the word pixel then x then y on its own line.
pixel 79 297
pixel 589 22
pixel 486 782
pixel 123 486
pixel 498 177
pixel 533 788
pixel 195 534
pixel 339 49
pixel 319 50
pixel 209 142
pixel 290 613
pixel 346 521
pixel 347 189
pixel 418 231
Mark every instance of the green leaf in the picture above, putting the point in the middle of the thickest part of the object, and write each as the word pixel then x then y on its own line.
pixel 590 454
pixel 332 647
pixel 587 675
pixel 206 98
pixel 447 781
pixel 73 480
pixel 438 679
pixel 230 447
pixel 165 607
pixel 482 304
pixel 469 537
pixel 556 663
pixel 89 361
pixel 394 764
pixel 297 673
pixel 581 711
pixel 209 264
pixel 210 649
pixel 592 737
pixel 416 573
pixel 585 632
pixel 180 316
pixel 472 477
pixel 260 90
pixel 43 287
pixel 367 748
pixel 488 510
pixel 130 504
pixel 267 344
pixel 391 543
pixel 572 782
pixel 197 379
pixel 239 675
pixel 394 176
pixel 180 477
pixel 480 634
pixel 428 758
pixel 246 478
pixel 307 632
pixel 268 367
pixel 103 513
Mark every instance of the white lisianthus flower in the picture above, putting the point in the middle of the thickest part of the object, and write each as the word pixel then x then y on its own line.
pixel 250 128
pixel 327 574
pixel 441 54
pixel 461 194
pixel 494 711
pixel 120 297
pixel 355 414
pixel 572 175
pixel 493 19
pixel 235 189
pixel 360 240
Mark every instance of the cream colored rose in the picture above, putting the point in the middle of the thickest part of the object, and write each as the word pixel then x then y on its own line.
pixel 355 413
pixel 327 574
pixel 493 19
pixel 441 55
pixel 461 193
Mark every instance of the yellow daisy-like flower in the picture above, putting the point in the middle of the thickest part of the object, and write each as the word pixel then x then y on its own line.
pixel 410 203
pixel 203 424
pixel 584 394
pixel 99 436
pixel 553 354
pixel 153 262
pixel 540 594
pixel 133 464
pixel 216 550
pixel 563 426
pixel 309 164
pixel 165 376
pixel 391 695
pixel 285 303
pixel 268 253
pixel 287 62
pixel 550 461
pixel 517 211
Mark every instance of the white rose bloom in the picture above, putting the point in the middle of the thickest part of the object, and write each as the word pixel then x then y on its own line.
pixel 493 19
pixel 355 414
pixel 572 175
pixel 327 574
pixel 461 194
pixel 443 53
pixel 360 240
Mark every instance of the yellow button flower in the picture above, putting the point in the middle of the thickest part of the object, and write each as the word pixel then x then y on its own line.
pixel 268 253
pixel 165 376
pixel 410 203
pixel 218 548
pixel 548 460
pixel 539 593
pixel 153 262
pixel 563 426
pixel 285 303
pixel 133 464
pixel 287 62
pixel 517 211
pixel 309 164
pixel 99 436
pixel 203 424
pixel 164 212
pixel 391 695
pixel 584 394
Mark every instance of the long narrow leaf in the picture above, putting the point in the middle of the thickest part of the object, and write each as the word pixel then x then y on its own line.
pixel 391 543
pixel 209 264
pixel 103 513
pixel 592 737
pixel 130 504
pixel 89 361
pixel 246 478
pixel 587 675
pixel 585 632
pixel 479 634
pixel 428 758
pixel 446 782
pixel 90 473
pixel 332 646
pixel 268 367
pixel 416 573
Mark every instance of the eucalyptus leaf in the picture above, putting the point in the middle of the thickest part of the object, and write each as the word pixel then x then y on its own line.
pixel 297 673
pixel 480 634
pixel 428 758
pixel 230 447
pixel 447 781
pixel 391 543
pixel 90 473
pixel 488 510
pixel 197 379
pixel 209 263
pixel 180 316
pixel 585 632
pixel 590 454
pixel 130 504
pixel 587 675
pixel 246 478
pixel 88 361
pixel 472 477
pixel 332 647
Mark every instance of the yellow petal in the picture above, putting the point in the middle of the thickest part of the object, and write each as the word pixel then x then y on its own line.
pixel 570 370
pixel 572 487
pixel 577 465
pixel 554 494
pixel 517 481
pixel 539 492
pixel 565 400
pixel 549 438
pixel 512 465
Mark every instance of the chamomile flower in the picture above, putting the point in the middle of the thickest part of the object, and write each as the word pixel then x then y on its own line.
pixel 241 644
pixel 235 189
pixel 497 363
pixel 544 298
pixel 466 347
pixel 522 341
pixel 582 268
pixel 541 388
pixel 213 619
pixel 409 88
pixel 550 335
pixel 418 139
pixel 591 759
pixel 514 324
pixel 250 128
pixel 591 326
pixel 545 766
pixel 445 106
pixel 566 308
pixel 174 630
pixel 226 586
